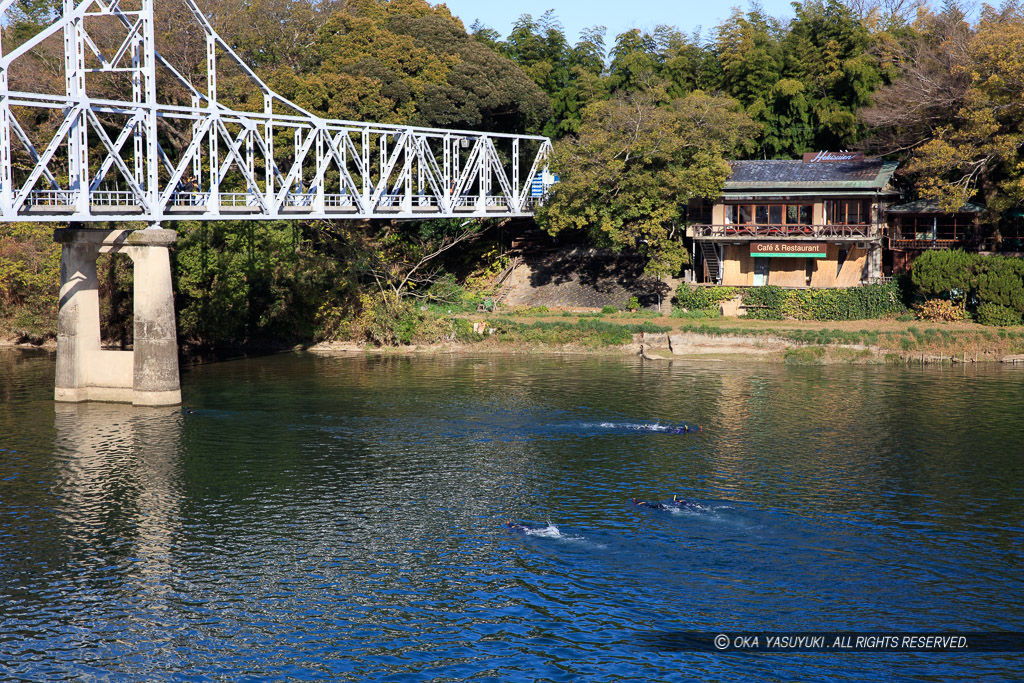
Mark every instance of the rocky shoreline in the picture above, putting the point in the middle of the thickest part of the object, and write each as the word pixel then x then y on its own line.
pixel 659 348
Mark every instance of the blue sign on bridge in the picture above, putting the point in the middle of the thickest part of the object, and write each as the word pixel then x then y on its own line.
pixel 541 183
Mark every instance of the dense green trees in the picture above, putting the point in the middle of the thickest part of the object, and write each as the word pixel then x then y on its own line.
pixel 668 111
pixel 396 62
pixel 29 279
pixel 804 81
pixel 637 161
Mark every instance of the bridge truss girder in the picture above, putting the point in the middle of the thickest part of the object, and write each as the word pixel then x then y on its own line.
pixel 106 159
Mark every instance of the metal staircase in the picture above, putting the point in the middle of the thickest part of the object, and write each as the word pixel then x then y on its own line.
pixel 712 260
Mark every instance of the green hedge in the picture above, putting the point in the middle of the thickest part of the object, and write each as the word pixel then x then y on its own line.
pixel 703 298
pixel 998 316
pixel 1000 281
pixel 765 303
pixel 856 303
pixel 946 273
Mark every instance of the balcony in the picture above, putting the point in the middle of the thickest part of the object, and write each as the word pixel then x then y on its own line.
pixel 752 231
pixel 939 243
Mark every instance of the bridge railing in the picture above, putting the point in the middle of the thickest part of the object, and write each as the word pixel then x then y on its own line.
pixel 52 198
pixel 113 198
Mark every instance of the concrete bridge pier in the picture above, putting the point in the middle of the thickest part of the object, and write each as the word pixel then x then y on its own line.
pixel 146 376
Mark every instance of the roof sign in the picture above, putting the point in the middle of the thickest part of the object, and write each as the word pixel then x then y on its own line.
pixel 825 157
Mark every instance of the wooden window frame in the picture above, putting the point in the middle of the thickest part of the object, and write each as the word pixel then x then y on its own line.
pixel 732 213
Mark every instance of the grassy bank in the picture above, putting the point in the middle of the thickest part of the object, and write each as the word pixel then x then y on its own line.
pixel 883 340
pixel 964 340
pixel 788 341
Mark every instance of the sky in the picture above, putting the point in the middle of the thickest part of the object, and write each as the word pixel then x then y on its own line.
pixel 617 15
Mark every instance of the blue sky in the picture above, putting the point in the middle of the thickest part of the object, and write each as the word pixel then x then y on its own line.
pixel 617 15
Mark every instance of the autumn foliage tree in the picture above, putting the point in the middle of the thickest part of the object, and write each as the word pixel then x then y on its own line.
pixel 957 106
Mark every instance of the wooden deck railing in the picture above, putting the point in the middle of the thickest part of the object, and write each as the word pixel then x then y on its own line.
pixel 901 243
pixel 757 230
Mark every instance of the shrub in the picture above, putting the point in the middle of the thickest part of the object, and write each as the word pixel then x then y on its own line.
pixel 633 302
pixel 29 280
pixel 531 310
pixel 494 262
pixel 944 272
pixel 703 298
pixel 940 310
pixel 446 290
pixel 696 314
pixel 331 322
pixel 1000 280
pixel 997 315
pixel 463 330
pixel 609 309
pixel 385 320
pixel 808 355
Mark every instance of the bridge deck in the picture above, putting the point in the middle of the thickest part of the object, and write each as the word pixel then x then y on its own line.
pixel 49 205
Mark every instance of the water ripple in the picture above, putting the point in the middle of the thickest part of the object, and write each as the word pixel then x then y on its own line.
pixel 349 519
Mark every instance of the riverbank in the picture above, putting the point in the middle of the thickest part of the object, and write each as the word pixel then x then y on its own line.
pixel 660 338
pixel 667 338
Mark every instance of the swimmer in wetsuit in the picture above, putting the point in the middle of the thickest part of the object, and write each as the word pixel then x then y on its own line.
pixel 683 504
pixel 685 429
pixel 677 504
pixel 650 506
pixel 512 526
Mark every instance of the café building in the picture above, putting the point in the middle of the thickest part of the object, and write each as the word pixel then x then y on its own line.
pixel 812 222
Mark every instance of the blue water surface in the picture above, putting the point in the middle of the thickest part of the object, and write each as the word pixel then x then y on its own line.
pixel 446 519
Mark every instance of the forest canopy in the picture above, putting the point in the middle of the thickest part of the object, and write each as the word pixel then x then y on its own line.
pixel 938 89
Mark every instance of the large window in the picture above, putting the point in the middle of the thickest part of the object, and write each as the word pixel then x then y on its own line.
pixel 768 214
pixel 847 212
pixel 943 227
pixel 699 211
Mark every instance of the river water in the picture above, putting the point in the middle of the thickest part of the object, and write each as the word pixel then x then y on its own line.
pixel 340 518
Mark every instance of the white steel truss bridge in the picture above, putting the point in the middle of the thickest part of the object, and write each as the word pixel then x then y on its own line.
pixel 103 159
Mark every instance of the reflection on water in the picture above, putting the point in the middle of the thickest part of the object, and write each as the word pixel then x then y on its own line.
pixel 471 518
pixel 119 468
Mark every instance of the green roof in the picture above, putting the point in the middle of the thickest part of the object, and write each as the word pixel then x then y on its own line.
pixel 784 175
pixel 932 206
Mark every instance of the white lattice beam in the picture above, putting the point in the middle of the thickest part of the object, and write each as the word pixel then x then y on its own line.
pixel 375 170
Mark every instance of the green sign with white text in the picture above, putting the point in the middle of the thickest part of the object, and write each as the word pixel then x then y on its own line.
pixel 789 249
